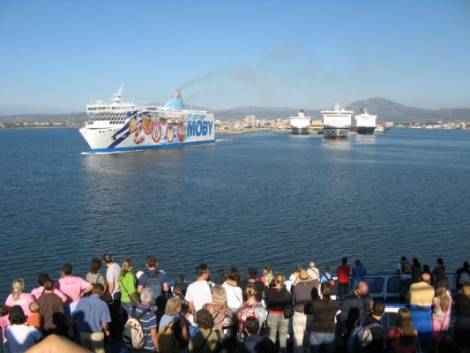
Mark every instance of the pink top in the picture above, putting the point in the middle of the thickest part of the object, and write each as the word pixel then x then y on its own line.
pixel 37 292
pixel 4 322
pixel 24 301
pixel 439 314
pixel 72 287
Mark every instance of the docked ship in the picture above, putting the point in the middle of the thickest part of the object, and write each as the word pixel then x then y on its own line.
pixel 388 125
pixel 336 122
pixel 118 126
pixel 364 123
pixel 300 124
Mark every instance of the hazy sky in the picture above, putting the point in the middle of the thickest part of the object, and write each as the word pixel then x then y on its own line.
pixel 57 56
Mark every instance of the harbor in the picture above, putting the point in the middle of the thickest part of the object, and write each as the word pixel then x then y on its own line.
pixel 235 177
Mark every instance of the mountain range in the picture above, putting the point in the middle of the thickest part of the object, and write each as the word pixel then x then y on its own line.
pixel 384 108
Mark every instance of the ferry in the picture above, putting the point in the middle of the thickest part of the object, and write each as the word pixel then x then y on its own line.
pixel 364 123
pixel 118 126
pixel 336 122
pixel 300 124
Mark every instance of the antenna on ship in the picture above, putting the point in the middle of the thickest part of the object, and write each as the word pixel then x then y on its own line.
pixel 117 96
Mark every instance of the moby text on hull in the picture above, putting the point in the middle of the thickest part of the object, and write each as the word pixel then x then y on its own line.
pixel 121 127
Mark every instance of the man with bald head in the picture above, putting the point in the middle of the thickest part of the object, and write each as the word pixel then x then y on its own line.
pixel 355 307
pixel 421 298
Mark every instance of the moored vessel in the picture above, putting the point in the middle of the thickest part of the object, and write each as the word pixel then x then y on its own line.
pixel 336 122
pixel 300 124
pixel 119 126
pixel 364 123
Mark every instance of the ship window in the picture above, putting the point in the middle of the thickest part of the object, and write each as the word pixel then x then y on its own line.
pixel 376 284
pixel 393 285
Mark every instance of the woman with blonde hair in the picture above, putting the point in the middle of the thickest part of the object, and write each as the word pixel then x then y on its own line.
pixel 403 338
pixel 224 317
pixel 251 308
pixel 172 309
pixel 19 297
pixel 173 328
pixel 442 303
pixel 127 281
pixel 278 302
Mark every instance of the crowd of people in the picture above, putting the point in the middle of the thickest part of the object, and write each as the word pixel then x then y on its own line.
pixel 120 309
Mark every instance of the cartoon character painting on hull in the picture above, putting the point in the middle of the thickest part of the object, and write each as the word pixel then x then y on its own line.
pixel 148 126
pixel 169 133
pixel 156 132
pixel 181 131
pixel 122 126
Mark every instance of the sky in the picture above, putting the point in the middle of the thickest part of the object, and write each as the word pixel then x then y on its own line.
pixel 57 56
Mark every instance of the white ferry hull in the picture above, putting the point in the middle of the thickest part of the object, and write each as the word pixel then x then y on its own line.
pixel 335 133
pixel 155 136
pixel 364 130
pixel 299 130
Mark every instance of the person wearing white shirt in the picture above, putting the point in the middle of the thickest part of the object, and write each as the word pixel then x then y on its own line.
pixel 20 337
pixel 113 270
pixel 200 291
pixel 233 291
pixel 313 271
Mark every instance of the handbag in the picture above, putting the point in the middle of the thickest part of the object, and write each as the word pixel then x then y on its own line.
pixel 289 308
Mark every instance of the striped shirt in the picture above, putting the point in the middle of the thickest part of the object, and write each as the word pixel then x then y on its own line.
pixel 148 322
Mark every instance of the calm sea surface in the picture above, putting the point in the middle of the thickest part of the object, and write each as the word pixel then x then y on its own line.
pixel 246 200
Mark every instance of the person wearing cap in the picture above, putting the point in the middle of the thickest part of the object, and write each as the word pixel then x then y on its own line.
pixel 294 277
pixel 303 292
pixel 205 341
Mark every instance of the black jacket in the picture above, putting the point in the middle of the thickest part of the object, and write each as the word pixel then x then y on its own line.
pixel 353 309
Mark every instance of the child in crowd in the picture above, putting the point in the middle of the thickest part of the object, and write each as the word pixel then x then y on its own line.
pixel 34 319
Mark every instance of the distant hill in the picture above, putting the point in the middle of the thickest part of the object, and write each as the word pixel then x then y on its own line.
pixel 262 112
pixel 390 110
pixel 384 108
pixel 43 117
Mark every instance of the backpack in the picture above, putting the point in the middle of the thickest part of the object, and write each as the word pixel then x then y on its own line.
pixel 361 336
pixel 133 335
pixel 153 283
pixel 167 340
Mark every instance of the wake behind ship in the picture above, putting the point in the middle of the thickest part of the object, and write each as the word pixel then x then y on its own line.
pixel 119 126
